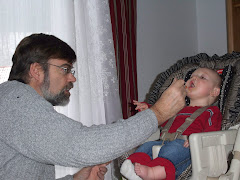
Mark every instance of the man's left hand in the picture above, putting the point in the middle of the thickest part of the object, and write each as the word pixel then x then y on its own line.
pixel 91 173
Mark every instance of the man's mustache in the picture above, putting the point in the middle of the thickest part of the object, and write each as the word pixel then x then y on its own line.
pixel 69 86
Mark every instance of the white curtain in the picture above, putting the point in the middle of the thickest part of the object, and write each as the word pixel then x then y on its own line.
pixel 86 26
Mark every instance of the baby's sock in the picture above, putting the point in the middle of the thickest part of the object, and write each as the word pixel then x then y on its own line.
pixel 127 170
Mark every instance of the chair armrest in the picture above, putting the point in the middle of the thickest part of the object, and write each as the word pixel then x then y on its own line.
pixel 234 170
pixel 209 152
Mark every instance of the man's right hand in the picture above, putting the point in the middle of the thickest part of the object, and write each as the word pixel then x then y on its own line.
pixel 171 101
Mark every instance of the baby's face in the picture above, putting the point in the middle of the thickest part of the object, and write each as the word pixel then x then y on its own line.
pixel 201 83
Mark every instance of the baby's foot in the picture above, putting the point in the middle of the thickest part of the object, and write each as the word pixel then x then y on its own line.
pixel 150 173
pixel 127 170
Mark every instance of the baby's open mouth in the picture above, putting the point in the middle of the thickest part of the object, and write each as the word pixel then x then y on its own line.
pixel 192 84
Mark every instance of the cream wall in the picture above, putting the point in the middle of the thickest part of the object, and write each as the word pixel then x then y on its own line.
pixel 211 26
pixel 168 30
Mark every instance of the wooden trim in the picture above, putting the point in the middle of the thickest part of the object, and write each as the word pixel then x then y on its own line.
pixel 236 4
pixel 233 25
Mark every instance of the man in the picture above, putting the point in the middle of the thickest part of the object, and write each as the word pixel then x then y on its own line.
pixel 34 137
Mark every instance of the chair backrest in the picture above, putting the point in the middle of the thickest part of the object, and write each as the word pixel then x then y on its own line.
pixel 229 99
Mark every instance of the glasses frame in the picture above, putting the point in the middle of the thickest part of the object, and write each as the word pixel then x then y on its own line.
pixel 65 69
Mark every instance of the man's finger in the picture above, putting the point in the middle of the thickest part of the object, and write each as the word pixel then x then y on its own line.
pixel 174 80
pixel 178 82
pixel 103 170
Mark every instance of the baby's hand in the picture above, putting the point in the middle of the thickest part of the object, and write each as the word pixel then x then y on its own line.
pixel 140 106
pixel 186 144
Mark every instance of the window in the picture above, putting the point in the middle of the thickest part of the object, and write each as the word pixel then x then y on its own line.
pixel 4 73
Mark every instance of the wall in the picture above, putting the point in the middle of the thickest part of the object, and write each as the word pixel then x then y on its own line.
pixel 168 30
pixel 211 26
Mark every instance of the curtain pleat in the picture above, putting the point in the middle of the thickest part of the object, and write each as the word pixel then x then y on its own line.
pixel 123 17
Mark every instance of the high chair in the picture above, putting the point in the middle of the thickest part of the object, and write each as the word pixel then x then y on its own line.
pixel 214 155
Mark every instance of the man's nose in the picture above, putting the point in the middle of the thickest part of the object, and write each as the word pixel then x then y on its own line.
pixel 71 78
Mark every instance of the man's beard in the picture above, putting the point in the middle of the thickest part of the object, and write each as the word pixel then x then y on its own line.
pixel 59 99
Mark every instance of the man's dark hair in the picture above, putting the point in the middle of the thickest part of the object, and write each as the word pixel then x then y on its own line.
pixel 38 48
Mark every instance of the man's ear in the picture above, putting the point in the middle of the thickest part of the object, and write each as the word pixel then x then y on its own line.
pixel 36 72
pixel 215 92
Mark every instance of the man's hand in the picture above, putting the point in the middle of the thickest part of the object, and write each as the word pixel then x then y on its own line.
pixel 91 173
pixel 171 101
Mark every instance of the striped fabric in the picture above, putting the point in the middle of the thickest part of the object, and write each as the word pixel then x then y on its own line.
pixel 123 17
pixel 210 118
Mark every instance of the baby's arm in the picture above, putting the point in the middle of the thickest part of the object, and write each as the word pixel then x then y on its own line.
pixel 141 106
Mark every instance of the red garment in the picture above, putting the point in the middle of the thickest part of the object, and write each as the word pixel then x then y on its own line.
pixel 201 124
pixel 144 159
pixel 209 120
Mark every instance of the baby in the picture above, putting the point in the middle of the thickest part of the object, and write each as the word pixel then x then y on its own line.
pixel 203 89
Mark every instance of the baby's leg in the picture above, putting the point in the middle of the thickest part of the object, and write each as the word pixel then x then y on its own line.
pixel 150 173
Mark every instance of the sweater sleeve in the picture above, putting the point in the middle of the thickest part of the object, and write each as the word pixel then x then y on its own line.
pixel 33 128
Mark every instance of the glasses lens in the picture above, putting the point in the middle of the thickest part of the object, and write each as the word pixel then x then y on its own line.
pixel 73 72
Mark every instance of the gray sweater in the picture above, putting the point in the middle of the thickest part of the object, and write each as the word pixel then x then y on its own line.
pixel 34 137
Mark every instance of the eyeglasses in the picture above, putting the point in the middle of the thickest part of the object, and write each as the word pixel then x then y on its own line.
pixel 64 69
